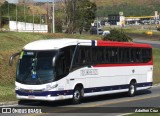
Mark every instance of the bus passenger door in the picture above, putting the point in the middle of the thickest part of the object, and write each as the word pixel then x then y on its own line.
pixel 61 71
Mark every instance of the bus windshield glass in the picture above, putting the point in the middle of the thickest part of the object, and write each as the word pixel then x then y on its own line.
pixel 36 67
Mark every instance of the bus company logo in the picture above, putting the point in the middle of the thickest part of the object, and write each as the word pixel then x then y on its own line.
pixel 89 72
pixel 6 110
pixel 30 91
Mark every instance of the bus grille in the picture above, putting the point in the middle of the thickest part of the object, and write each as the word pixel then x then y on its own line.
pixel 31 91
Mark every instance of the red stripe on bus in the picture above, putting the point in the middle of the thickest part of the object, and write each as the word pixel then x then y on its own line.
pixel 129 64
pixel 122 44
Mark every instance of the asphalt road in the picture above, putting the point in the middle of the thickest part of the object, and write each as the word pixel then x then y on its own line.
pixel 113 104
pixel 155 44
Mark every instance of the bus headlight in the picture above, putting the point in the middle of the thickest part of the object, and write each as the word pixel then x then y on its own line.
pixel 49 87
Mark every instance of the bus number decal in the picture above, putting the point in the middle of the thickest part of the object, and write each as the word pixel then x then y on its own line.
pixel 89 72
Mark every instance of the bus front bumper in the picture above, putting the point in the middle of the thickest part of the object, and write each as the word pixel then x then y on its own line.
pixel 45 95
pixel 43 98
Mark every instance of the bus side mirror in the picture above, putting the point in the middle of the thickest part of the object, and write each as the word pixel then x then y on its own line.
pixel 12 58
pixel 55 58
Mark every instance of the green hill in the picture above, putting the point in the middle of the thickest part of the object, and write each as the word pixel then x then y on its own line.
pixel 129 7
pixel 104 7
pixel 120 2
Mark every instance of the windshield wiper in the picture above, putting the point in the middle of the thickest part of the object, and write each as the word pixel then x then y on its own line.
pixel 41 82
pixel 26 75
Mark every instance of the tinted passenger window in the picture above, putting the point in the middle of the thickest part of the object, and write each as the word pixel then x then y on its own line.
pixel 83 56
pixel 67 54
pixel 124 55
pixel 136 55
pixel 146 55
pixel 114 55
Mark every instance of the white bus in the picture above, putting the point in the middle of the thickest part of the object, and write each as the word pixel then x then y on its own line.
pixel 58 69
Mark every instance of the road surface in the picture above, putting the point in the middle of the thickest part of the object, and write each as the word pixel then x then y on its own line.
pixel 113 104
pixel 155 44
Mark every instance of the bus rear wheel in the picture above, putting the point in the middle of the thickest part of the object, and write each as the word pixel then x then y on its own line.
pixel 77 95
pixel 132 89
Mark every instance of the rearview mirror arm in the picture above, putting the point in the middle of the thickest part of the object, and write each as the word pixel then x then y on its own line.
pixel 12 58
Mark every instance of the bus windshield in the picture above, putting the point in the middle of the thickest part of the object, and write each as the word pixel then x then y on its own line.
pixel 36 67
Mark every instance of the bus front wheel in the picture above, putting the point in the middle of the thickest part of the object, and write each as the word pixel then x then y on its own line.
pixel 132 89
pixel 77 95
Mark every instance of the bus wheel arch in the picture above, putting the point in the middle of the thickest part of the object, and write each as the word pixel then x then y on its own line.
pixel 78 93
pixel 132 88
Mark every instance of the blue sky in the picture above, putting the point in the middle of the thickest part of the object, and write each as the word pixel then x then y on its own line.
pixel 12 1
pixel 15 1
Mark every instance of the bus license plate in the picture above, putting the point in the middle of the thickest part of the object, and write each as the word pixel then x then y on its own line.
pixel 31 96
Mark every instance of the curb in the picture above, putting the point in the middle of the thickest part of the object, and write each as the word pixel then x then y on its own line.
pixel 156 85
pixel 8 103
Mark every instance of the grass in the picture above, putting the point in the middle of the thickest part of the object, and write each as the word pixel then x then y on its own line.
pixel 11 42
pixel 142 34
pixel 138 31
pixel 7 93
pixel 156 68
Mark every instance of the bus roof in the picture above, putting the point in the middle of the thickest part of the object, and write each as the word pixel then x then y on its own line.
pixel 53 44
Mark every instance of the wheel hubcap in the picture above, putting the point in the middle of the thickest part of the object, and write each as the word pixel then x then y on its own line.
pixel 76 95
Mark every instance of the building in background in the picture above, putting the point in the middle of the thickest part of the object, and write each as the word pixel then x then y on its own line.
pixel 116 19
pixel 120 20
pixel 113 19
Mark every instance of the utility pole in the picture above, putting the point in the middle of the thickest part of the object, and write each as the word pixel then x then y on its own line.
pixel 0 18
pixel 8 15
pixel 53 18
pixel 33 15
pixel 48 18
pixel 16 19
pixel 25 14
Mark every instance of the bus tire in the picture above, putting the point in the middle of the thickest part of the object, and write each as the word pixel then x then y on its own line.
pixel 77 95
pixel 132 89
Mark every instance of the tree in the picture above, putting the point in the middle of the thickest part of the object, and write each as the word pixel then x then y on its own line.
pixel 117 35
pixel 79 15
pixel 58 22
pixel 4 7
pixel 70 14
pixel 86 11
